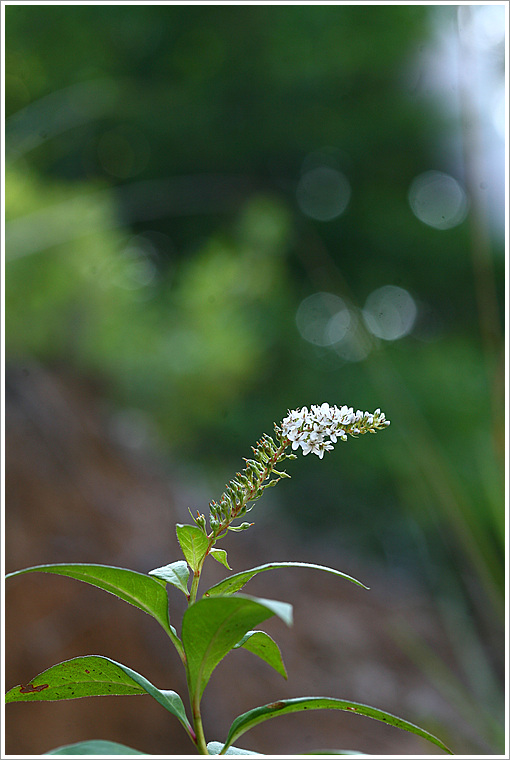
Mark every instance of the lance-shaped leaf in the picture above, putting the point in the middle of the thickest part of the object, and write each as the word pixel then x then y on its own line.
pixel 235 582
pixel 177 573
pixel 194 544
pixel 143 592
pixel 261 644
pixel 212 626
pixel 286 706
pixel 95 747
pixel 94 676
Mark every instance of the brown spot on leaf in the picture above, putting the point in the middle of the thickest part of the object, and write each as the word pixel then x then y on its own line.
pixel 31 688
pixel 276 705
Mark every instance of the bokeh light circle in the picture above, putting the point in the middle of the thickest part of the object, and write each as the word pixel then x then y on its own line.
pixel 323 193
pixel 322 319
pixel 438 200
pixel 357 343
pixel 390 312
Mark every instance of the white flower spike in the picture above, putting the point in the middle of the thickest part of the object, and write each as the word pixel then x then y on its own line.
pixel 315 430
pixel 318 429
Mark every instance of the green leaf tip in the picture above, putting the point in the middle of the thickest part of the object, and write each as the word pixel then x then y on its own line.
pixel 262 645
pixel 243 526
pixel 220 555
pixel 177 573
pixel 194 544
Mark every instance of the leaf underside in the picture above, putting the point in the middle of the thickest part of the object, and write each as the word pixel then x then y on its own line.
pixel 220 555
pixel 177 573
pixel 214 748
pixel 261 644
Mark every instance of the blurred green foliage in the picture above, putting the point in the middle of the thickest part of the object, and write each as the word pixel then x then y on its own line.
pixel 154 241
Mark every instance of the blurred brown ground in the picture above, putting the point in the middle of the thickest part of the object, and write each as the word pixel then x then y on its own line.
pixel 74 493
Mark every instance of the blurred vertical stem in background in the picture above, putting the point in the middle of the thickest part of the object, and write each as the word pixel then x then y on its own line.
pixel 434 470
pixel 475 173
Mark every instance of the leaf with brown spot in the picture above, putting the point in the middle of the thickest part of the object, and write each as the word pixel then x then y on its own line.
pixel 260 714
pixel 101 677
pixel 31 688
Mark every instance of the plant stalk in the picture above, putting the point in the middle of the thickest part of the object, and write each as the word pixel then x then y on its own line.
pixel 194 583
pixel 200 741
pixel 199 729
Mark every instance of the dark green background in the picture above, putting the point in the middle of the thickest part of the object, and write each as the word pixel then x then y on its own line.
pixel 182 131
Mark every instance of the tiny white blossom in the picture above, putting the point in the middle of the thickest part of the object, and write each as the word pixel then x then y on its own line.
pixel 317 429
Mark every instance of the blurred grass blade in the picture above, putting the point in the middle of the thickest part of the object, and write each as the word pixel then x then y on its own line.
pixel 258 715
pixel 481 713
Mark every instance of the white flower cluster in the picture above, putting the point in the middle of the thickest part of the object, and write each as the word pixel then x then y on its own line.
pixel 317 429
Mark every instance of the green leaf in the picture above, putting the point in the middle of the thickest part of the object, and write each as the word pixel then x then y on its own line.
pixel 93 676
pixel 95 747
pixel 177 573
pixel 214 748
pixel 243 526
pixel 212 627
pixel 135 588
pixel 220 555
pixel 235 582
pixel 194 544
pixel 261 644
pixel 260 714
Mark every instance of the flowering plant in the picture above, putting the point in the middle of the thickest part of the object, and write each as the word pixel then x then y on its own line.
pixel 222 619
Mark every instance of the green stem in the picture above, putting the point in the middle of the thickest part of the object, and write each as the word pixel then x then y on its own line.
pixel 199 740
pixel 196 575
pixel 194 585
pixel 197 735
pixel 199 730
pixel 250 495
